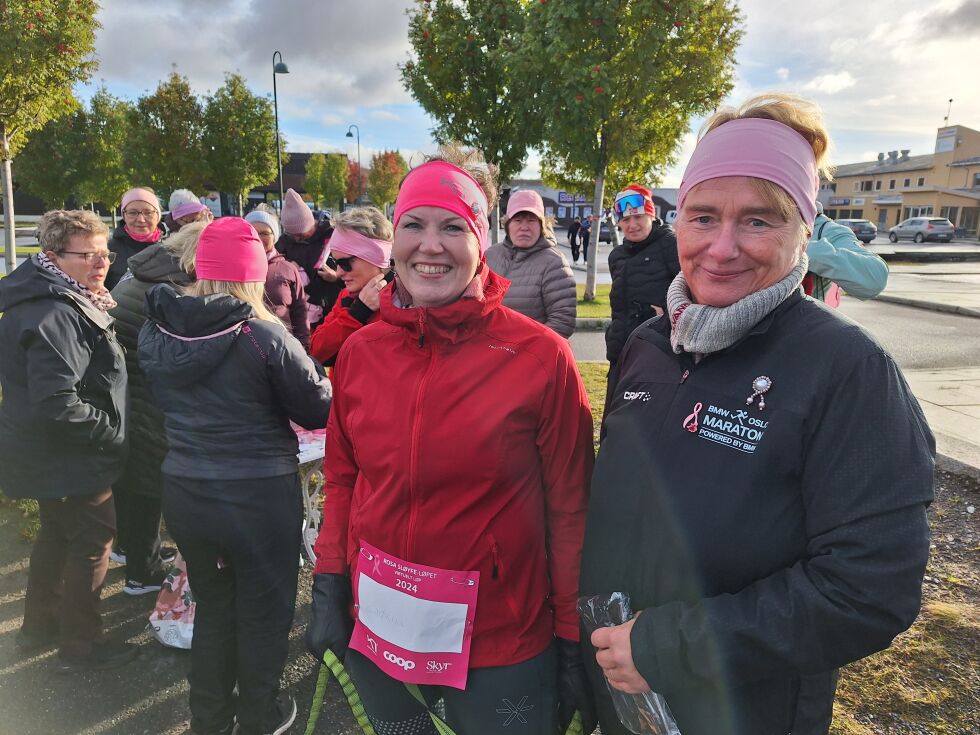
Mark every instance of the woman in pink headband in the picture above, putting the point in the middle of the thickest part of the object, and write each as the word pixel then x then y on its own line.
pixel 361 246
pixel 761 485
pixel 140 228
pixel 458 453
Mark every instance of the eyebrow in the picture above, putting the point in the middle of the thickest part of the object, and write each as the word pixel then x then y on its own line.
pixel 761 211
pixel 451 218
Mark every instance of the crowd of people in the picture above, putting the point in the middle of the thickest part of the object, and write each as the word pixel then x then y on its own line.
pixel 759 491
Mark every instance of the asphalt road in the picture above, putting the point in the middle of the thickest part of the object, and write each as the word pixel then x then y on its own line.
pixel 916 338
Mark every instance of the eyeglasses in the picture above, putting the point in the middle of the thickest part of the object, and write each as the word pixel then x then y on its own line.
pixel 89 257
pixel 346 264
pixel 625 202
pixel 137 213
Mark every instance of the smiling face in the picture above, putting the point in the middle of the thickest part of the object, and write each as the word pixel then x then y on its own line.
pixel 90 273
pixel 360 274
pixel 436 255
pixel 731 243
pixel 636 227
pixel 524 229
pixel 141 217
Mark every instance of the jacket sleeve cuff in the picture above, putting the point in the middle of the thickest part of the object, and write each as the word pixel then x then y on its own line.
pixel 360 311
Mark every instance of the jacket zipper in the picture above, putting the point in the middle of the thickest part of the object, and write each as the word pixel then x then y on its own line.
pixel 495 557
pixel 421 327
pixel 416 431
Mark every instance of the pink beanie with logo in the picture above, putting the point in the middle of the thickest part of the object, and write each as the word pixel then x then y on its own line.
pixel 229 249
pixel 296 217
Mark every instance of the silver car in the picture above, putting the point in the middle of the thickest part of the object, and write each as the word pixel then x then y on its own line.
pixel 921 229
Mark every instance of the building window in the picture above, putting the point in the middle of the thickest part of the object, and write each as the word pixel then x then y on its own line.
pixel 907 184
pixel 878 185
pixel 976 181
pixel 866 185
pixel 857 186
pixel 891 184
pixel 832 213
pixel 921 181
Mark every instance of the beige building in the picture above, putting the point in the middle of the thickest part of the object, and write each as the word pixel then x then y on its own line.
pixel 944 183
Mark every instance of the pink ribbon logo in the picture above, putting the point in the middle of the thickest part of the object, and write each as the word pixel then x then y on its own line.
pixel 691 422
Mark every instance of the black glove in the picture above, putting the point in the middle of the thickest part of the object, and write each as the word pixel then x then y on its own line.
pixel 331 624
pixel 574 691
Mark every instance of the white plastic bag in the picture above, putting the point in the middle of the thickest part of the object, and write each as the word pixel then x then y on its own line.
pixel 172 619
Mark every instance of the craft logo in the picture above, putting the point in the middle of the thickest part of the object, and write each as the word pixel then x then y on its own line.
pixel 636 395
pixel 734 429
pixel 399 661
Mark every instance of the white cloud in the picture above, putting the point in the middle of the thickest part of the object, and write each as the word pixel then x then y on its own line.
pixel 782 73
pixel 830 83
pixel 384 115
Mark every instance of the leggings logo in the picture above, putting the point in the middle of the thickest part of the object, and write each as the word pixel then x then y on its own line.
pixel 399 661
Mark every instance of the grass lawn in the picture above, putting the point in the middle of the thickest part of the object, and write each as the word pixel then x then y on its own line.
pixel 594 309
pixel 22 251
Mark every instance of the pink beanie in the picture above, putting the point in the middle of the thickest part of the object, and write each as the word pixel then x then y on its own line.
pixel 230 250
pixel 525 201
pixel 140 195
pixel 296 216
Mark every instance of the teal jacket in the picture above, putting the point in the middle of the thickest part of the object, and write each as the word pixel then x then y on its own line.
pixel 837 256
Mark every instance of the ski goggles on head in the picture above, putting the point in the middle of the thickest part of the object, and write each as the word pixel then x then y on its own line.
pixel 629 200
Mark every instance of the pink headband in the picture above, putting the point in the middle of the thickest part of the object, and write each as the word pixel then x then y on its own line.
pixel 140 195
pixel 183 210
pixel 440 184
pixel 763 149
pixel 352 242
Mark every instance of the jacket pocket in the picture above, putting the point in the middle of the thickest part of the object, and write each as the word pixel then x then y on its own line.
pixel 501 581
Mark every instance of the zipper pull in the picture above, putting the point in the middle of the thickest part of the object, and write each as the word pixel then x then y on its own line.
pixel 421 328
pixel 496 562
pixel 684 375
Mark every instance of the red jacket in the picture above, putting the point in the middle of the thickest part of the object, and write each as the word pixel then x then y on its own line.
pixel 348 315
pixel 461 437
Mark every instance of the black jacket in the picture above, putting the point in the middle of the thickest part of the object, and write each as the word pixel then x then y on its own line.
pixel 764 547
pixel 228 385
pixel 305 254
pixel 147 440
pixel 641 272
pixel 124 247
pixel 63 414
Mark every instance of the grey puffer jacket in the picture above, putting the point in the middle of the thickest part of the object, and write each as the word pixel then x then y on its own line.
pixel 541 282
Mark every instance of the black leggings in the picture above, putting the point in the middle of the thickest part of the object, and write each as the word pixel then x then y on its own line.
pixel 498 700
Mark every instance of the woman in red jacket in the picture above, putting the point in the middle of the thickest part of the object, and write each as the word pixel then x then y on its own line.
pixel 361 245
pixel 459 451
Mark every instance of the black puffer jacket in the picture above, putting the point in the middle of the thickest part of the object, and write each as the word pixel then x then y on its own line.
pixel 124 247
pixel 147 440
pixel 306 253
pixel 63 414
pixel 641 272
pixel 228 385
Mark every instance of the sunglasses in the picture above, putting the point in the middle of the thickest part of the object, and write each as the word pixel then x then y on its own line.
pixel 625 202
pixel 346 264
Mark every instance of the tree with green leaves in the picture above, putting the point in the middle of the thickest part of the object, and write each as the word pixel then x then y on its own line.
pixel 619 81
pixel 46 46
pixel 463 74
pixel 239 139
pixel 165 146
pixel 51 164
pixel 334 179
pixel 106 175
pixel 313 184
pixel 388 168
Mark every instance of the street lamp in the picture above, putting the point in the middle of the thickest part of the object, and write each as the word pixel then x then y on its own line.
pixel 360 172
pixel 278 68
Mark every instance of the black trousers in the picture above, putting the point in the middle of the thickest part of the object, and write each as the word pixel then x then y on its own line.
pixel 573 243
pixel 138 521
pixel 68 568
pixel 241 541
pixel 498 700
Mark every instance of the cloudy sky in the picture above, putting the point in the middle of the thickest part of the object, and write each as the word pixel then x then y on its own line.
pixel 882 71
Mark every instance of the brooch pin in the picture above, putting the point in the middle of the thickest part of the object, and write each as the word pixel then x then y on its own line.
pixel 760 386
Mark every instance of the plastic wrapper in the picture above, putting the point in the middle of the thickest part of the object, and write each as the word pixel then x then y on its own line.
pixel 643 714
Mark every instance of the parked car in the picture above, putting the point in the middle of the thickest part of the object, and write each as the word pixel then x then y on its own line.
pixel 864 230
pixel 605 235
pixel 921 229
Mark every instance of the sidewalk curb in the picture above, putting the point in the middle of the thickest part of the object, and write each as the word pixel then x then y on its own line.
pixel 948 463
pixel 930 305
pixel 922 256
pixel 591 324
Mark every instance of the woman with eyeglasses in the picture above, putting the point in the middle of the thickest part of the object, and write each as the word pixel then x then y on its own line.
pixel 284 292
pixel 62 432
pixel 140 228
pixel 361 246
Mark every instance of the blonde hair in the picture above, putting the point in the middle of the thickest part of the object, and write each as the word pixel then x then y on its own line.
pixel 471 161
pixel 794 112
pixel 57 227
pixel 368 221
pixel 252 294
pixel 182 245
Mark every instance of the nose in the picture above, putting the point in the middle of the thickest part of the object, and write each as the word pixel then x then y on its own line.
pixel 724 242
pixel 429 241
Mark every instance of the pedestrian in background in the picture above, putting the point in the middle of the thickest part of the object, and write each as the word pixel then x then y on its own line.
pixel 573 230
pixel 541 282
pixel 584 233
pixel 141 227
pixel 137 492
pixel 185 207
pixel 229 378
pixel 837 259
pixel 63 431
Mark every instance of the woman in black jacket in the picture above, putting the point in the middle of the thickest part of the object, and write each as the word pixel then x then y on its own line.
pixel 62 431
pixel 229 377
pixel 140 228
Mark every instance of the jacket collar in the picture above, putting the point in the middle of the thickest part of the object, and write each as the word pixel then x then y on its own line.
pixel 453 322
pixel 655 234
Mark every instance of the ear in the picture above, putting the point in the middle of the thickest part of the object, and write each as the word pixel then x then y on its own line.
pixel 51 253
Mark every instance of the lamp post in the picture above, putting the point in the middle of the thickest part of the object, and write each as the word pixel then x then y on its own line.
pixel 278 68
pixel 360 172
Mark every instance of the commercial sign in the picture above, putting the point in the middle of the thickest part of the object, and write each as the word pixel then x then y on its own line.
pixel 839 202
pixel 566 198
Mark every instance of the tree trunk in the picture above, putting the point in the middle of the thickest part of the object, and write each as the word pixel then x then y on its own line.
pixel 10 234
pixel 495 223
pixel 591 265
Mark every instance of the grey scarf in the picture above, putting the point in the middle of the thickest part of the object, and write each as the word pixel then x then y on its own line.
pixel 701 329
